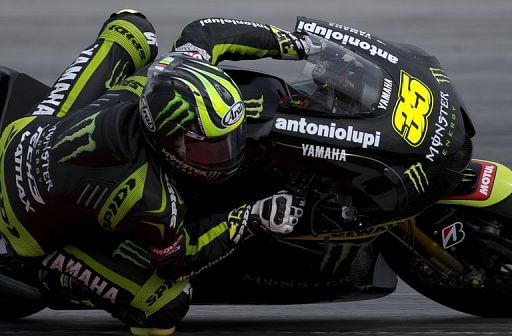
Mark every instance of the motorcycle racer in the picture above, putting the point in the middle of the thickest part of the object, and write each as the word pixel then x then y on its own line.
pixel 102 151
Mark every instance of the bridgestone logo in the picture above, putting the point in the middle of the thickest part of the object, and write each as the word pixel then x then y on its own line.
pixel 331 131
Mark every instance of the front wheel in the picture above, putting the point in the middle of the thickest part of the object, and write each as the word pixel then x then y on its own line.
pixel 459 257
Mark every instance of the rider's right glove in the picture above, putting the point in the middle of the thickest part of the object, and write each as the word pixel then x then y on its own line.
pixel 310 47
pixel 293 46
pixel 278 213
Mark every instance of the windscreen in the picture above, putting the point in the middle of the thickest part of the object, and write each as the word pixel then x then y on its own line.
pixel 339 80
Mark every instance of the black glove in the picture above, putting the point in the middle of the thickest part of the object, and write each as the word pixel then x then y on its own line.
pixel 292 45
pixel 279 213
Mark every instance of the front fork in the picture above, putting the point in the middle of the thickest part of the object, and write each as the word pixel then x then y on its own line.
pixel 436 254
pixel 486 185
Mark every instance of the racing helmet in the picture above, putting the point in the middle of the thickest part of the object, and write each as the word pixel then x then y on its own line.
pixel 193 116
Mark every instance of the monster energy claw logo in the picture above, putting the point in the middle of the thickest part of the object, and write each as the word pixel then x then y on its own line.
pixel 213 175
pixel 417 175
pixel 440 75
pixel 114 78
pixel 180 109
pixel 84 128
pixel 254 107
pixel 131 252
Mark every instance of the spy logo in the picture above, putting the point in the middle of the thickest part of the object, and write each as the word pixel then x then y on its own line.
pixel 414 105
pixel 453 234
pixel 417 175
pixel 151 38
pixel 439 75
pixel 123 198
pixel 117 201
pixel 254 107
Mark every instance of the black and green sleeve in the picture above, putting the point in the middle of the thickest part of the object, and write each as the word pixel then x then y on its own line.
pixel 125 44
pixel 218 39
pixel 201 243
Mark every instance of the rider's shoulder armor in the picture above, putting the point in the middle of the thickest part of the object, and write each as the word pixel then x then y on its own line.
pixel 67 175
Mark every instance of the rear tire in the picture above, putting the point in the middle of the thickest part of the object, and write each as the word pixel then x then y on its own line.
pixel 15 308
pixel 12 307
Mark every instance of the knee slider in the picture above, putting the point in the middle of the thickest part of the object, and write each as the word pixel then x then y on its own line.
pixel 152 331
pixel 162 306
pixel 134 34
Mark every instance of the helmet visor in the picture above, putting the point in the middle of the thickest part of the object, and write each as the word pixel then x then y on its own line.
pixel 218 153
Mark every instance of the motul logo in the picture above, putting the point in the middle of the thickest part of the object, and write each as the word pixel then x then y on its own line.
pixel 484 184
pixel 486 180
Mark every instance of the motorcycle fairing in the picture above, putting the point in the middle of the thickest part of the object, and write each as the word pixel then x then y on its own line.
pixel 492 183
pixel 428 145
pixel 18 94
pixel 413 73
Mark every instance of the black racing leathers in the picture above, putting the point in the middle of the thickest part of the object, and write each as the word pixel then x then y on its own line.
pixel 218 39
pixel 126 44
pixel 70 169
pixel 66 178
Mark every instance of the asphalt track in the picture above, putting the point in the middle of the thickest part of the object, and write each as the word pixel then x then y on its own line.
pixel 471 38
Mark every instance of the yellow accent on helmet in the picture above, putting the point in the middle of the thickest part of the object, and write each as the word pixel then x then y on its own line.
pixel 193 115
pixel 220 108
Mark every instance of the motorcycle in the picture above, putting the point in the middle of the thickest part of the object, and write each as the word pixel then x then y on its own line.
pixel 375 137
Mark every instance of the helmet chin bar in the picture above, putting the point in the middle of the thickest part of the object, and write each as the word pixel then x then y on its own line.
pixel 210 176
pixel 182 166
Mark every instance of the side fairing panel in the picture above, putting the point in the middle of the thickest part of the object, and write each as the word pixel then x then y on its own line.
pixel 18 94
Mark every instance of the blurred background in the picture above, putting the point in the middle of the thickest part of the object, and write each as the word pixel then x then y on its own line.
pixel 471 38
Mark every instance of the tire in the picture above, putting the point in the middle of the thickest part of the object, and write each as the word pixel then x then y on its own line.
pixel 488 251
pixel 16 299
pixel 479 302
pixel 15 308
